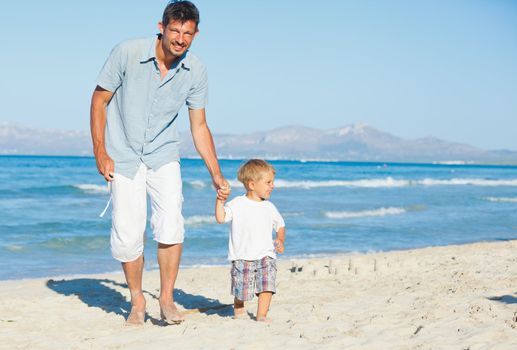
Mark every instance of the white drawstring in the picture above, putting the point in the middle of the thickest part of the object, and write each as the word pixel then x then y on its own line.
pixel 109 201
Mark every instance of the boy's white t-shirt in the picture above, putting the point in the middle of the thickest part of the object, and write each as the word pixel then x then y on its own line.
pixel 252 224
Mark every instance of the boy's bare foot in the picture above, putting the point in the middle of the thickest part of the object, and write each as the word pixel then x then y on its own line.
pixel 136 317
pixel 240 313
pixel 170 314
pixel 263 319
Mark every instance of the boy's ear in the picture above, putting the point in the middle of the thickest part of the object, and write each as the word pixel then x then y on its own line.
pixel 251 185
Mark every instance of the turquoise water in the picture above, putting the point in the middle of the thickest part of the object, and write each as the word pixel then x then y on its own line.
pixel 50 225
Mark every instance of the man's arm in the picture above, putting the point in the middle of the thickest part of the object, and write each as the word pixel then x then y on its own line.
pixel 205 147
pixel 100 100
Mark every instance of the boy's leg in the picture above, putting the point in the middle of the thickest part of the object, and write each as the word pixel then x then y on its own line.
pixel 165 191
pixel 264 300
pixel 265 286
pixel 238 308
pixel 242 285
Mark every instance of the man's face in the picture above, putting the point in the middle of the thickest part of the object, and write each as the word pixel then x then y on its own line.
pixel 177 36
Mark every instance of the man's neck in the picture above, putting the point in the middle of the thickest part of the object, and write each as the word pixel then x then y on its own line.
pixel 166 59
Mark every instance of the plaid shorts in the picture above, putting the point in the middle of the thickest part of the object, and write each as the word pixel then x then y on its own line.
pixel 253 277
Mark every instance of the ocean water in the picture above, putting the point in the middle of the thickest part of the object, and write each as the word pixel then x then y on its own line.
pixel 50 206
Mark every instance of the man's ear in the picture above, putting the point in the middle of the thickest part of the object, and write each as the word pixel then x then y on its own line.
pixel 161 27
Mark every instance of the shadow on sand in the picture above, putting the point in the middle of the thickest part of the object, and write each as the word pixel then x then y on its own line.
pixel 507 299
pixel 100 293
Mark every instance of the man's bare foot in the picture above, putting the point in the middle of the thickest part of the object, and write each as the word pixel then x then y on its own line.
pixel 136 317
pixel 170 314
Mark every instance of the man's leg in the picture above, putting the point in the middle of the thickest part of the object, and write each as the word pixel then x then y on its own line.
pixel 169 260
pixel 165 191
pixel 133 271
pixel 127 236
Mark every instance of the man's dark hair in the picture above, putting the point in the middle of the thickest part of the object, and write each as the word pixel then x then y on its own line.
pixel 180 10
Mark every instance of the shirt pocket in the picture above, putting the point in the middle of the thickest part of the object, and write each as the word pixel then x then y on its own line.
pixel 170 100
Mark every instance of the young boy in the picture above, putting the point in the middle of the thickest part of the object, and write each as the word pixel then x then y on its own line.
pixel 251 250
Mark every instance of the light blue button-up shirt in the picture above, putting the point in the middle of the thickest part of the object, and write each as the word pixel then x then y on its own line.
pixel 141 116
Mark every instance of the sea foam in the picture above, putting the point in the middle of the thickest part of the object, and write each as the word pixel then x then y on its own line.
pixel 502 199
pixel 388 182
pixel 92 188
pixel 364 213
pixel 471 182
pixel 200 220
pixel 197 184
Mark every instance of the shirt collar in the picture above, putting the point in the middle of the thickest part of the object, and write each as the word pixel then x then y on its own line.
pixel 184 60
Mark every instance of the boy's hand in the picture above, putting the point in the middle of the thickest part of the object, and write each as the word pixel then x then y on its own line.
pixel 279 246
pixel 222 187
pixel 223 193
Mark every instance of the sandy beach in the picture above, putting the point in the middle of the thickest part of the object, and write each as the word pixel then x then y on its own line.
pixel 454 297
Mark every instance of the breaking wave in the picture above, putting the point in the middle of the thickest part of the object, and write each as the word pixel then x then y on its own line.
pixel 92 188
pixel 364 213
pixel 502 199
pixel 387 182
pixel 200 220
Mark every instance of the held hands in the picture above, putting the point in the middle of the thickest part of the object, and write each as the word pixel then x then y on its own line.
pixel 105 165
pixel 222 187
pixel 279 246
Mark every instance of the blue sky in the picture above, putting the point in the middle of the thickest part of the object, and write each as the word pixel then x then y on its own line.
pixel 445 68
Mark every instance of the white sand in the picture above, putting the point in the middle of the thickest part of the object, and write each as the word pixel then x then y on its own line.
pixel 457 297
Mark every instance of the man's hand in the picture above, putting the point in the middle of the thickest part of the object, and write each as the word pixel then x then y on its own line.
pixel 105 165
pixel 222 187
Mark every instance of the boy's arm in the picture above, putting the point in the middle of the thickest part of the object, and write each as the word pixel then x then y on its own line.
pixel 219 211
pixel 280 239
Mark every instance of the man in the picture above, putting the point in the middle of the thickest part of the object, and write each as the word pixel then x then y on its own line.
pixel 134 107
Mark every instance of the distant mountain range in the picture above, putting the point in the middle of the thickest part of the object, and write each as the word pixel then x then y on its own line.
pixel 357 142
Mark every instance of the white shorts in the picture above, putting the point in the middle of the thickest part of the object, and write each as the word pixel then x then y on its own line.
pixel 129 214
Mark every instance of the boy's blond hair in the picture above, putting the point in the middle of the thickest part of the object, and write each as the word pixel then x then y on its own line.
pixel 252 170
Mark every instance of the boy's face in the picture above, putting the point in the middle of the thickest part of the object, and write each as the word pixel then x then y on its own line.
pixel 263 187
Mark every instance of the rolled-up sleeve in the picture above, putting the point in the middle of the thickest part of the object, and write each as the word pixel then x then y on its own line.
pixel 112 73
pixel 278 220
pixel 228 214
pixel 198 94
